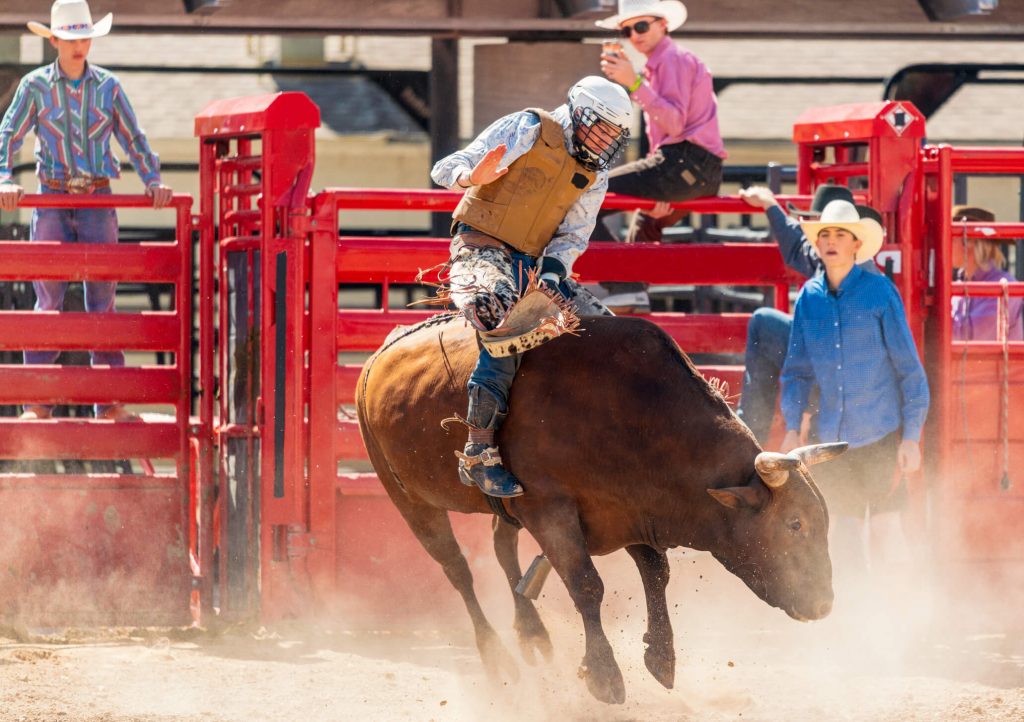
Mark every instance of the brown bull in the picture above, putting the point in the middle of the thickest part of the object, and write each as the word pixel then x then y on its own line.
pixel 620 443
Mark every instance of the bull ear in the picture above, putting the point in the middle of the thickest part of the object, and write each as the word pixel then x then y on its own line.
pixel 740 497
pixel 817 453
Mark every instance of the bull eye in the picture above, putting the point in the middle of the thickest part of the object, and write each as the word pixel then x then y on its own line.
pixel 795 525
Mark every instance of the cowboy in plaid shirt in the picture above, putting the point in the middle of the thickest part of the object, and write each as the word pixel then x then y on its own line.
pixel 74 108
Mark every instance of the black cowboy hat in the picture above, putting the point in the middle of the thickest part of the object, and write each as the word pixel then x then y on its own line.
pixel 869 212
pixel 973 214
pixel 824 195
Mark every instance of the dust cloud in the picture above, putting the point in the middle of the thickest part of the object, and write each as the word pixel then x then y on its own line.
pixel 891 650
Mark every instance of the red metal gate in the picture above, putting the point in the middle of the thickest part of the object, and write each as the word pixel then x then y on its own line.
pixel 111 547
pixel 979 388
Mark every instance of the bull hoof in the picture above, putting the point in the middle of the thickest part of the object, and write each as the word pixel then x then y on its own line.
pixel 662 665
pixel 604 682
pixel 498 663
pixel 536 641
pixel 532 635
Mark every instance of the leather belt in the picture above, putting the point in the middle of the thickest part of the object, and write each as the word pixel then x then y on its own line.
pixel 469 236
pixel 77 185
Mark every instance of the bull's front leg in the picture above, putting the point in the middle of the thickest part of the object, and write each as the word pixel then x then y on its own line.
pixel 556 527
pixel 660 655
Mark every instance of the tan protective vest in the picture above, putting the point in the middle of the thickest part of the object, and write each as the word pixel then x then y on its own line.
pixel 525 206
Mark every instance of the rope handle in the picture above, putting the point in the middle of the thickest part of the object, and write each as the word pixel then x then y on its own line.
pixel 1004 333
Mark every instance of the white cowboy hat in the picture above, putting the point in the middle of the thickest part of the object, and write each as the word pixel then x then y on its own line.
pixel 71 20
pixel 673 11
pixel 843 214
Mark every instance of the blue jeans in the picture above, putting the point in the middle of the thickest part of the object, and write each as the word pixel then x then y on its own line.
pixel 767 341
pixel 496 374
pixel 75 225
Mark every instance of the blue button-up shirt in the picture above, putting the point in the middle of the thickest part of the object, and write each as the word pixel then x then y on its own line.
pixel 856 345
pixel 74 125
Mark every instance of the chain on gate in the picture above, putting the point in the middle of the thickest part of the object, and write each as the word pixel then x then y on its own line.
pixel 963 361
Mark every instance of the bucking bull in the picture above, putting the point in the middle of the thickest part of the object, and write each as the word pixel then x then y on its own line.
pixel 620 443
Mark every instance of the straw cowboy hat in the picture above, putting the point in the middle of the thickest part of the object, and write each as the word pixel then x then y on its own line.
pixel 673 11
pixel 71 20
pixel 863 222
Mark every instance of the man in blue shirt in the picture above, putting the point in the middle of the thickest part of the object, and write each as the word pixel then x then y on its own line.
pixel 768 330
pixel 850 338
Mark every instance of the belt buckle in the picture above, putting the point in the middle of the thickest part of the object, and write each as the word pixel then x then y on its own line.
pixel 79 185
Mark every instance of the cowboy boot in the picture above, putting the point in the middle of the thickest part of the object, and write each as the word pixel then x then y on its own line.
pixel 479 461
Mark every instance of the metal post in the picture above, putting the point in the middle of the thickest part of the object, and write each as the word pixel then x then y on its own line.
pixel 773 176
pixel 959 189
pixel 1019 245
pixel 444 111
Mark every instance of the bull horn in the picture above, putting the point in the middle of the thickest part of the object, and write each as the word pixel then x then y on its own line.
pixel 774 468
pixel 817 453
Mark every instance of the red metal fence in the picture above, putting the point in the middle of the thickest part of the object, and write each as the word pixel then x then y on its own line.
pixel 978 387
pixel 256 502
pixel 90 545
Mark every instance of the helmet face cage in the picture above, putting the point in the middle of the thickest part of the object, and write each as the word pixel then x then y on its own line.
pixel 584 118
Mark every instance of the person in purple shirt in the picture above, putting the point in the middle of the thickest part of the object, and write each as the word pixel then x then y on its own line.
pixel 980 259
pixel 675 91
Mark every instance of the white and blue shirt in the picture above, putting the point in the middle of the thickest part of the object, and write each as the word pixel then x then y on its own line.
pixel 519 131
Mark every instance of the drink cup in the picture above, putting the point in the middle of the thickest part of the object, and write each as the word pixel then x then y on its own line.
pixel 611 47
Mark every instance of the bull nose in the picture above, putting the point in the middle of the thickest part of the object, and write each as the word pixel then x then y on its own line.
pixel 823 609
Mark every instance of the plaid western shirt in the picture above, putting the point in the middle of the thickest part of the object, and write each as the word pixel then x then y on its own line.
pixel 73 126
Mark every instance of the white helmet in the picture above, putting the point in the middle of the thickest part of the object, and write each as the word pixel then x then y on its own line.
pixel 596 99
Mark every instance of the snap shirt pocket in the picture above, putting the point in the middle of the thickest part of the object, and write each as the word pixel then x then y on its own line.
pixel 818 335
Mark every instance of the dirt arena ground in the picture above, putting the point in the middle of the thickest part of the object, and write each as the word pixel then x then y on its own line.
pixel 737 660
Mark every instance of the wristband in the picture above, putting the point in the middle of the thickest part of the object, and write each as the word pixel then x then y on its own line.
pixel 458 181
pixel 637 83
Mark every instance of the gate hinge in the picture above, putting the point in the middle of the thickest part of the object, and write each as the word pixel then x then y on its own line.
pixel 299 541
pixel 301 224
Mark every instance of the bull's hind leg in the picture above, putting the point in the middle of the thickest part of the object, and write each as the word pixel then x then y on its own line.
pixel 434 531
pixel 556 527
pixel 529 628
pixel 660 655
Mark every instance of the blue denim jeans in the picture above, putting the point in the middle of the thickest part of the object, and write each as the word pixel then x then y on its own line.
pixel 767 341
pixel 496 374
pixel 75 225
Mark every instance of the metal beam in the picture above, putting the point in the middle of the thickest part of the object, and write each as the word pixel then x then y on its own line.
pixel 533 29
pixel 444 111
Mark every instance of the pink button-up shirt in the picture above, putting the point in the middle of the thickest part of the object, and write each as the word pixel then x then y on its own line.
pixel 678 99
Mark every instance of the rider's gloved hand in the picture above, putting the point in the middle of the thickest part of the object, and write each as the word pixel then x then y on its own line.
pixel 552 273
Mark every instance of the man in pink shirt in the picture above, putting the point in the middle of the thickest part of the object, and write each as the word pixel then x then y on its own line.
pixel 675 91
